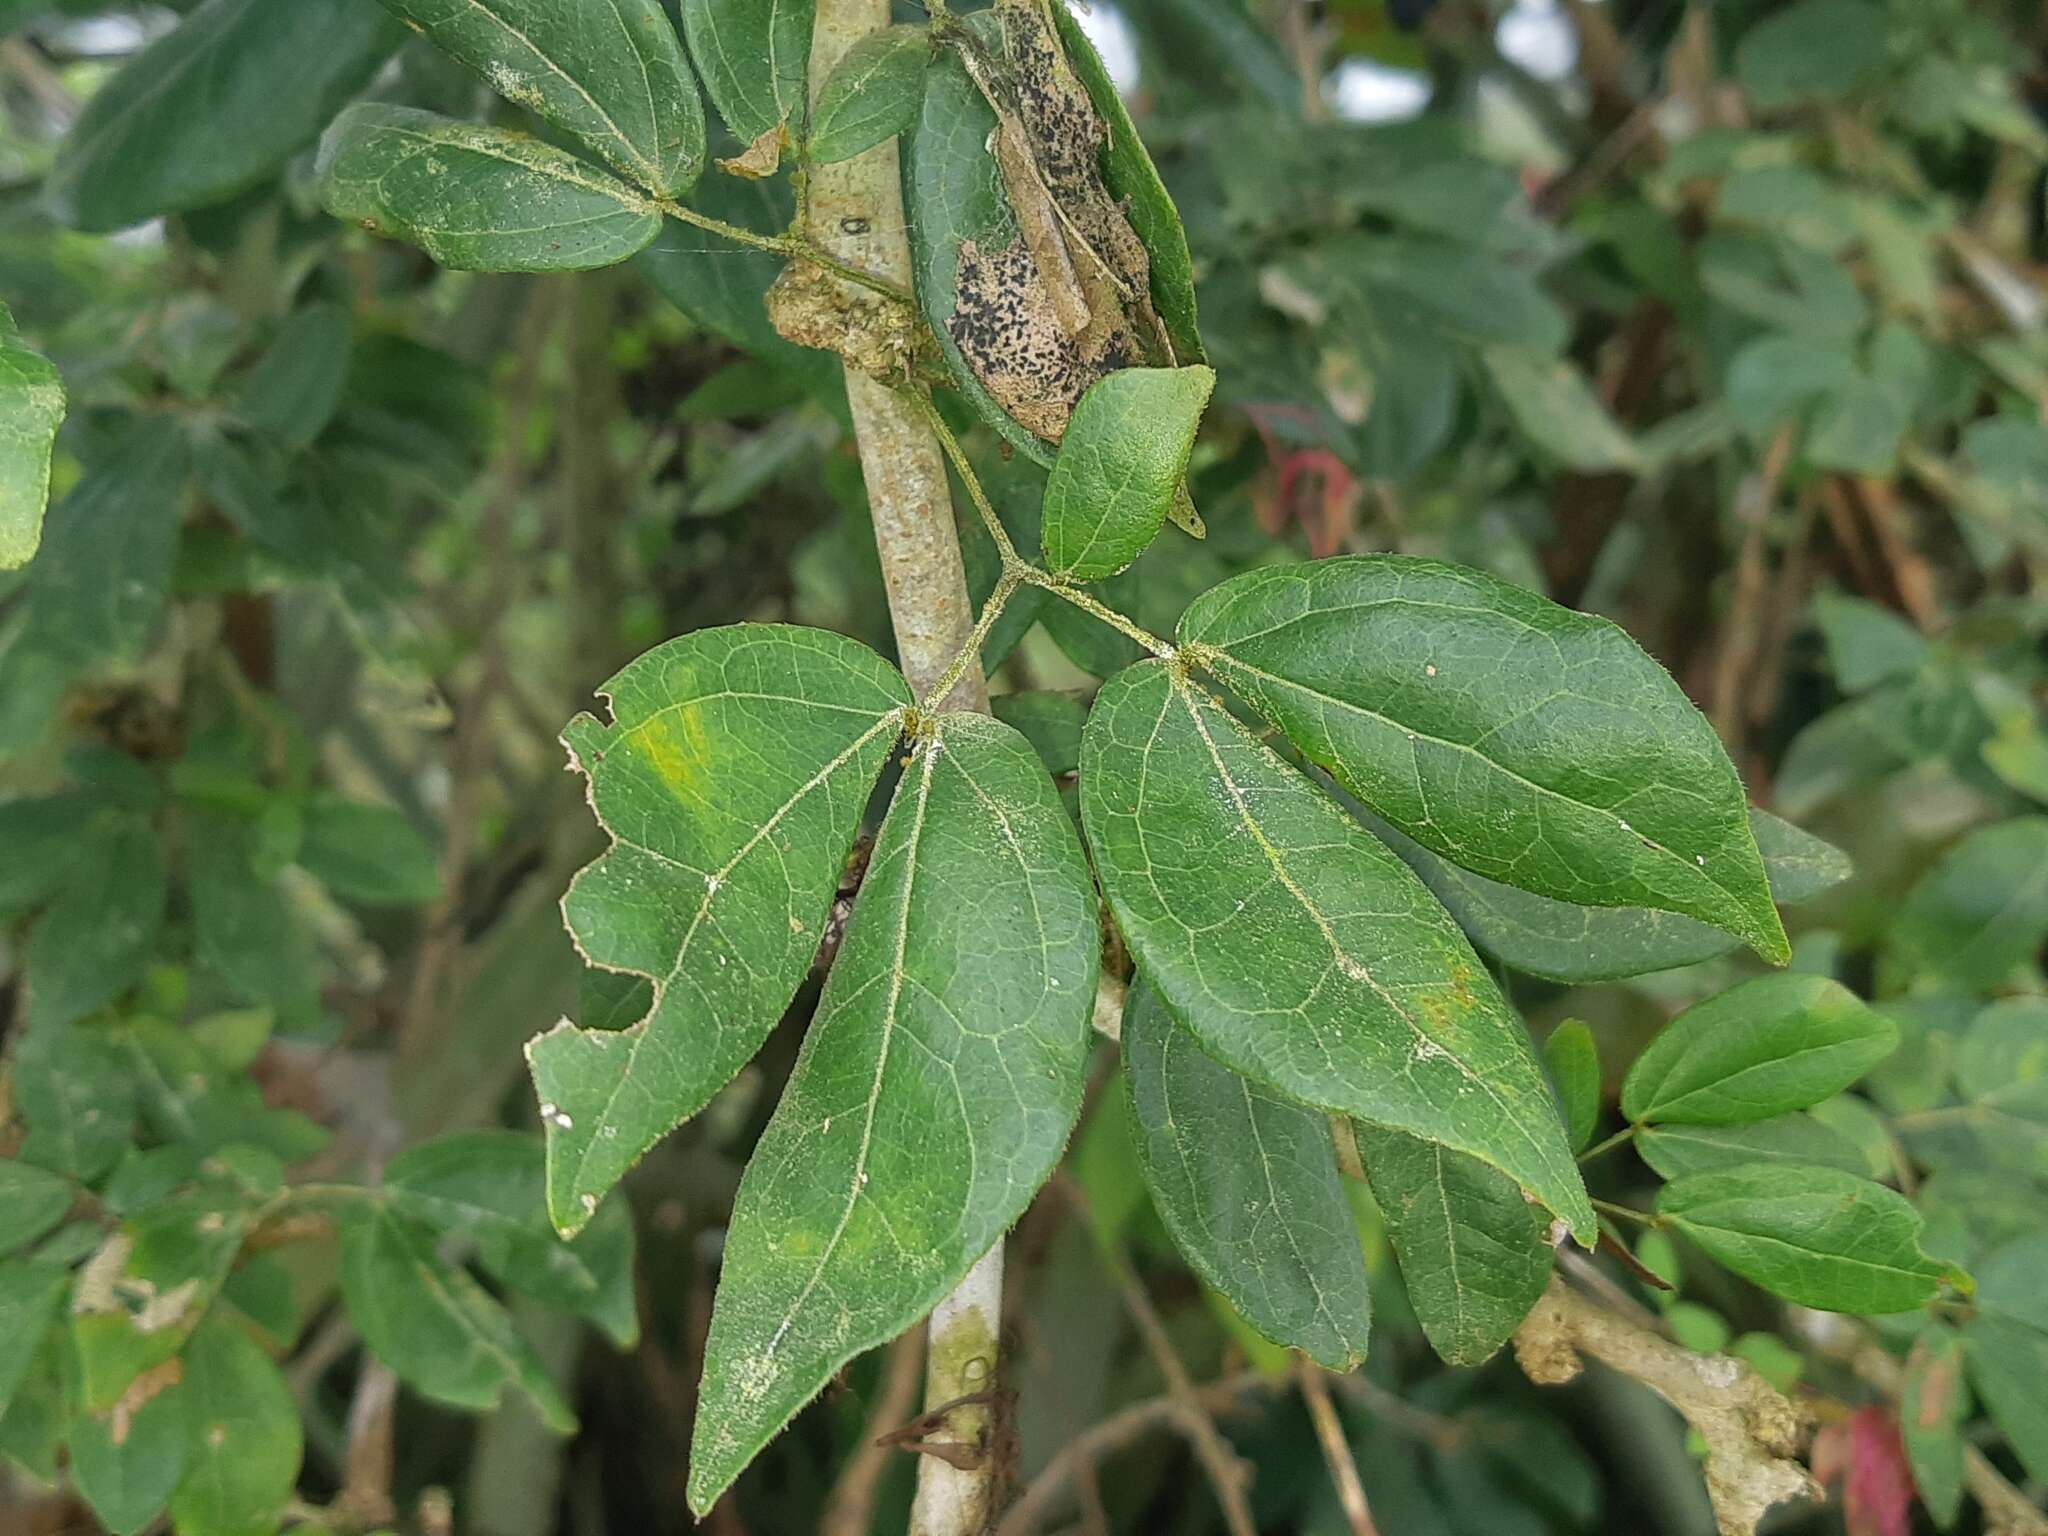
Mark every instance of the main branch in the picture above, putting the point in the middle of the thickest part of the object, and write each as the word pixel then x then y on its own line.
pixel 855 213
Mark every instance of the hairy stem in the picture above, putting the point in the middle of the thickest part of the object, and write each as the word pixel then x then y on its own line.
pixel 801 245
pixel 854 213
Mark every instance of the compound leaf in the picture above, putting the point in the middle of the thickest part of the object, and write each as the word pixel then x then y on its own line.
pixel 732 779
pixel 1296 947
pixel 478 199
pixel 932 1097
pixel 1532 745
pixel 1247 1183
pixel 609 71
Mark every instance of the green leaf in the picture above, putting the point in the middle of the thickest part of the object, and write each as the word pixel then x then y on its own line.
pixel 933 1095
pixel 1777 376
pixel 1532 745
pixel 1982 910
pixel 489 1186
pixel 1815 1236
pixel 36 1417
pixel 31 1202
pixel 609 71
pixel 242 1460
pixel 1124 457
pixel 755 57
pixel 99 933
pixel 1558 412
pixel 478 199
pixel 1677 1150
pixel 2004 1049
pixel 1934 1403
pixel 30 1294
pixel 2008 1362
pixel 369 854
pixel 245 928
pixel 295 387
pixel 126 1464
pixel 872 94
pixel 1573 1057
pixel 142 1294
pixel 1816 49
pixel 1299 950
pixel 434 1325
pixel 214 106
pixel 1051 722
pixel 1774 1044
pixel 733 780
pixel 72 1090
pixel 41 836
pixel 1474 1254
pixel 31 410
pixel 1247 1183
pixel 2013 1281
pixel 1131 177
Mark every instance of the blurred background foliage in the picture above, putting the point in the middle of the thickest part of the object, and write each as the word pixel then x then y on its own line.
pixel 1725 320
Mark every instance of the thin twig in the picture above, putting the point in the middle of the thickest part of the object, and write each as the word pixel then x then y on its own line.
pixel 1336 1449
pixel 1089 604
pixel 1124 1428
pixel 793 245
pixel 1225 1471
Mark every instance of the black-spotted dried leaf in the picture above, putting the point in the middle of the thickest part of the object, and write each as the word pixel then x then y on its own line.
pixel 1763 1048
pixel 609 71
pixel 1564 942
pixel 1120 465
pixel 1934 1404
pixel 31 410
pixel 1296 947
pixel 872 94
pixel 1247 1183
pixel 1532 745
pixel 126 1462
pixel 215 106
pixel 732 780
pixel 478 199
pixel 1982 910
pixel 933 1095
pixel 754 56
pixel 1677 1150
pixel 1815 1236
pixel 489 1187
pixel 1474 1254
pixel 433 1324
pixel 1573 1058
pixel 242 1460
pixel 1129 174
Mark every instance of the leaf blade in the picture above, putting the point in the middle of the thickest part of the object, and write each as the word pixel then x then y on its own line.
pixel 31 409
pixel 645 908
pixel 969 964
pixel 1168 781
pixel 1124 456
pixel 1533 745
pixel 754 56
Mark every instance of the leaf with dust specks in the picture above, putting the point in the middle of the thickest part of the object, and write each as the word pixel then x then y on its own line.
pixel 1527 743
pixel 1247 1183
pixel 732 779
pixel 1296 947
pixel 932 1097
pixel 1474 1254
pixel 478 199
pixel 609 71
